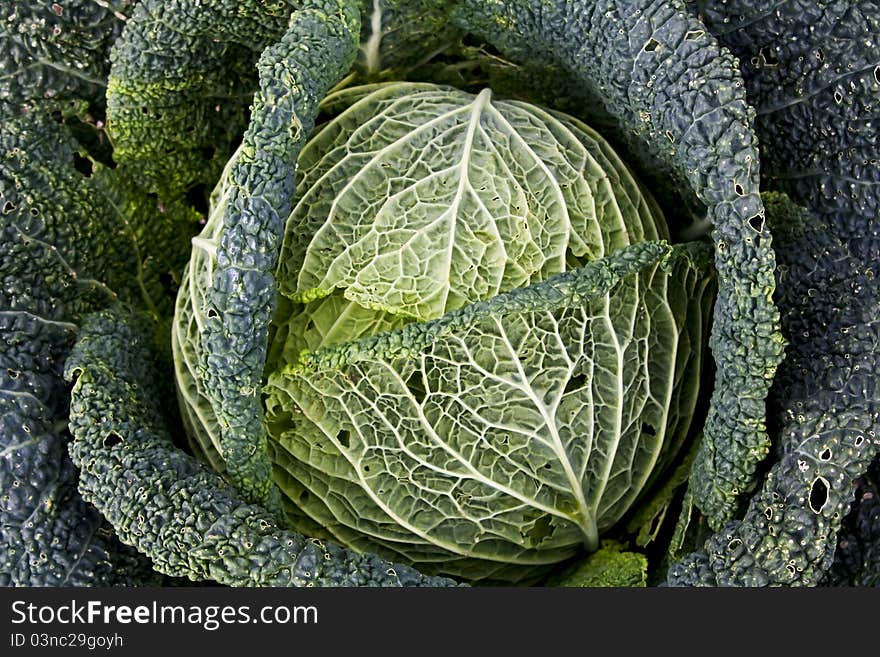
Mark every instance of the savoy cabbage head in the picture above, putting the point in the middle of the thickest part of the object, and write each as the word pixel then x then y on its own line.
pixel 482 354
pixel 483 288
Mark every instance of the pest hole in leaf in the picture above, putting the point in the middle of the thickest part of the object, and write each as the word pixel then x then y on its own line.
pixel 33 212
pixel 756 223
pixel 652 45
pixel 768 59
pixel 859 440
pixel 739 189
pixel 366 468
pixel 82 164
pixel 648 430
pixel 693 35
pixel 877 74
pixel 838 97
pixel 343 437
pixel 825 455
pixel 818 494
pixel 540 530
pixel 8 207
pixel 112 439
pixel 212 313
pixel 416 387
pixel 575 383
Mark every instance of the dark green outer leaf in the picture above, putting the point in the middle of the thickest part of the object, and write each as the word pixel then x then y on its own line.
pixel 167 504
pixel 677 95
pixel 295 74
pixel 812 71
pixel 51 272
pixel 181 79
pixel 827 409
pixel 857 559
pixel 57 51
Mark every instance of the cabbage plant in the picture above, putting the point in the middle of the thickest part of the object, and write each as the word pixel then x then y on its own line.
pixel 447 382
pixel 557 292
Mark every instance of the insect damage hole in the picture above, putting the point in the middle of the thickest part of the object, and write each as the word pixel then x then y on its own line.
pixel 818 494
pixel 652 45
pixel 575 383
pixel 112 439
pixel 756 223
pixel 768 58
pixel 416 386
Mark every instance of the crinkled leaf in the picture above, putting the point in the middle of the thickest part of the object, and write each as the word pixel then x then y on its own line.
pixel 678 101
pixel 419 199
pixel 57 52
pixel 232 271
pixel 812 72
pixel 177 511
pixel 825 409
pixel 503 437
pixel 64 251
pixel 857 559
pixel 180 84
